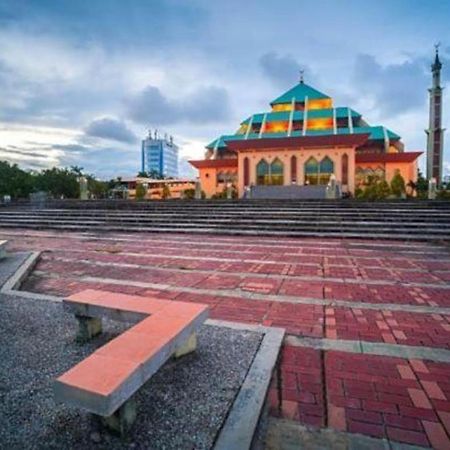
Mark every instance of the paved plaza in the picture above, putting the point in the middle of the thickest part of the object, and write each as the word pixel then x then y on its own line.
pixel 367 349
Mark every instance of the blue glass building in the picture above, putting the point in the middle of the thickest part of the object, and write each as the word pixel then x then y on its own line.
pixel 160 155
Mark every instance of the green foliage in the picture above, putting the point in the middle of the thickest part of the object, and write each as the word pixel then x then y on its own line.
pixel 58 182
pixel 421 185
pixel 140 191
pixel 397 185
pixel 383 190
pixel 14 181
pixel 223 194
pixel 189 194
pixel 142 174
pixel 375 189
pixel 443 194
pixel 359 193
pixel 154 174
pixel 97 188
pixel 166 192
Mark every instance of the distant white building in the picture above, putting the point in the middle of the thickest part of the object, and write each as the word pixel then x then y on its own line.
pixel 159 155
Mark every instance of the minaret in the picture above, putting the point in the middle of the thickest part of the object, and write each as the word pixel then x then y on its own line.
pixel 435 132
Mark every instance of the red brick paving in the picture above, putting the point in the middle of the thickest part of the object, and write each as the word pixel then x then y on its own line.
pixel 403 400
pixel 379 396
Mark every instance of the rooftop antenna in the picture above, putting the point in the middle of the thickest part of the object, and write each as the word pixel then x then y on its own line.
pixel 301 75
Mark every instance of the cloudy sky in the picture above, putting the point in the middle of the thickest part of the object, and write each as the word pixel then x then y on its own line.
pixel 81 81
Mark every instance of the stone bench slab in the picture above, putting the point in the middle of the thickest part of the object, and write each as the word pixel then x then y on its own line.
pixel 104 381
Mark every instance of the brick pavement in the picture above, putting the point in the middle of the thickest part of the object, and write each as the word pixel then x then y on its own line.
pixel 343 290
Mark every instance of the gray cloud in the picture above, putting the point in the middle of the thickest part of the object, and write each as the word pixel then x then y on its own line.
pixel 396 87
pixel 110 128
pixel 151 106
pixel 12 150
pixel 283 70
pixel 106 161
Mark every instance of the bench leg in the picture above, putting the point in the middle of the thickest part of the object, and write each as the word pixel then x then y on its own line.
pixel 189 346
pixel 121 421
pixel 88 327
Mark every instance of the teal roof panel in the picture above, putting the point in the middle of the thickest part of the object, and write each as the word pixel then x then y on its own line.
pixel 300 92
pixel 375 133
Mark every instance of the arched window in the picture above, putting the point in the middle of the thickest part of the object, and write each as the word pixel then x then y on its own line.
pixel 318 173
pixel 246 171
pixel 311 171
pixel 276 172
pixel 293 169
pixel 326 169
pixel 344 168
pixel 262 172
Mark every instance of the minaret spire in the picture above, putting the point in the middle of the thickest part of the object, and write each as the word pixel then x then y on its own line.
pixel 301 75
pixel 435 132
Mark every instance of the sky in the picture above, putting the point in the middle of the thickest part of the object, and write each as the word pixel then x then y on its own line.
pixel 82 81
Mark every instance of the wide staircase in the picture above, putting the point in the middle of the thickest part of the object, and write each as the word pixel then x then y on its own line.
pixel 407 219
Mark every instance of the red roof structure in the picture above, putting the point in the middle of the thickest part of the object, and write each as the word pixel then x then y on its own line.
pixel 406 157
pixel 208 163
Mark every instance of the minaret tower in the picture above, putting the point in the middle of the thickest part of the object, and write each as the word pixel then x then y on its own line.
pixel 435 132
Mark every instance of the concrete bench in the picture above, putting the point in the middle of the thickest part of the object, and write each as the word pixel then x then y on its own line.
pixel 104 382
pixel 3 249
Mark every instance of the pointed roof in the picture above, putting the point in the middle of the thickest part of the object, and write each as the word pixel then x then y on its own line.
pixel 437 65
pixel 299 91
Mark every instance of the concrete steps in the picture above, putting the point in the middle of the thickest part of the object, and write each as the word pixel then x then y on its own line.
pixel 413 220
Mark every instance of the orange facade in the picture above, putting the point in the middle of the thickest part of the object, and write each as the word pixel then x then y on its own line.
pixel 303 165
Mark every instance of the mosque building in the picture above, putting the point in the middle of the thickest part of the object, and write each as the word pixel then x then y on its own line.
pixel 303 140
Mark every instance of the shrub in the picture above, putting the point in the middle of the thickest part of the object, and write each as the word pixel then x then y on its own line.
pixel 140 192
pixel 376 189
pixel 397 185
pixel 443 194
pixel 223 194
pixel 189 194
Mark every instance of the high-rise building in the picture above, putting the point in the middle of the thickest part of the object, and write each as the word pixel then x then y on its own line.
pixel 435 132
pixel 159 155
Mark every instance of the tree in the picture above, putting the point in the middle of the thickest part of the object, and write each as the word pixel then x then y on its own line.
pixel 97 188
pixel 14 181
pixel 166 192
pixel 140 191
pixel 383 190
pixel 59 182
pixel 142 174
pixel 397 184
pixel 375 189
pixel 155 175
pixel 421 185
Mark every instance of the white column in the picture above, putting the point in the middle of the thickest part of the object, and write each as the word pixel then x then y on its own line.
pixel 263 126
pixel 334 121
pixel 305 117
pixel 350 121
pixel 249 127
pixel 216 149
pixel 291 117
pixel 386 140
